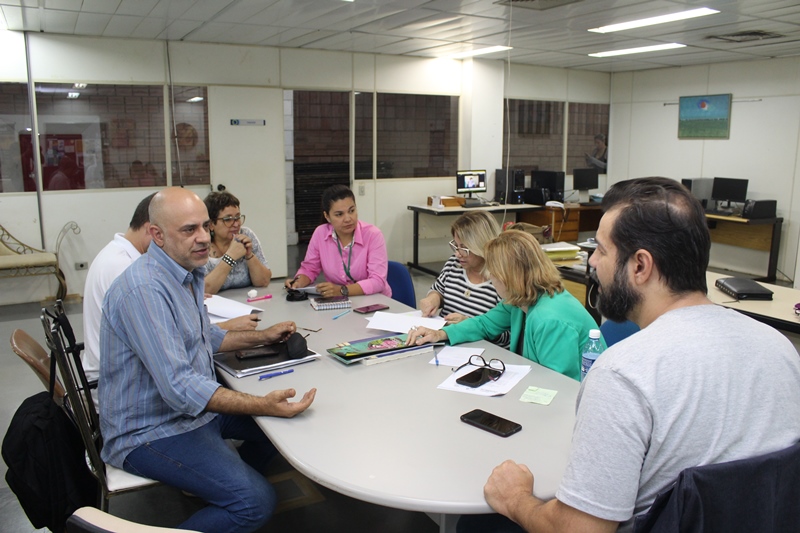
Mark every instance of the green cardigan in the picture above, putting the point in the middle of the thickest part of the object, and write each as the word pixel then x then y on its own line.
pixel 555 331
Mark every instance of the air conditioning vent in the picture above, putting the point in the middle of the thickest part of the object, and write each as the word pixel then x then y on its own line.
pixel 746 36
pixel 539 5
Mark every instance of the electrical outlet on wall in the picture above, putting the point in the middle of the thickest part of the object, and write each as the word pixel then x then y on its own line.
pixel 362 190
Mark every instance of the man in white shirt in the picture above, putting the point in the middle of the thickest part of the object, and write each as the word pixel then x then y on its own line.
pixel 112 261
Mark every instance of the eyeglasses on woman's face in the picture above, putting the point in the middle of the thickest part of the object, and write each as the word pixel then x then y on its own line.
pixel 230 220
pixel 463 252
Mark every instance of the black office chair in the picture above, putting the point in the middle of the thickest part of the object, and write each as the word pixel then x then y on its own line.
pixel 756 494
pixel 399 280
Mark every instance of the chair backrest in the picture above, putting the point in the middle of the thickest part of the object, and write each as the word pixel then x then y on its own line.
pixel 613 332
pixel 38 359
pixel 754 494
pixel 79 402
pixel 91 520
pixel 399 280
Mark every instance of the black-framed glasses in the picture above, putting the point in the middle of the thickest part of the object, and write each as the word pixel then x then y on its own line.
pixel 480 362
pixel 460 249
pixel 229 220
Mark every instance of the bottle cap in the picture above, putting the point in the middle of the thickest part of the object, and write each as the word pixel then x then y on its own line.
pixel 594 333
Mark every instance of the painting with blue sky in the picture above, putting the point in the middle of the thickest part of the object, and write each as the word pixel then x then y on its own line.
pixel 704 117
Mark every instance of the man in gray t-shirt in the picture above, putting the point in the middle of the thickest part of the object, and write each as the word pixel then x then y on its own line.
pixel 698 385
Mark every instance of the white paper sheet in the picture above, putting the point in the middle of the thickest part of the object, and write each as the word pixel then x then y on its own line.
pixel 455 356
pixel 401 323
pixel 221 309
pixel 512 376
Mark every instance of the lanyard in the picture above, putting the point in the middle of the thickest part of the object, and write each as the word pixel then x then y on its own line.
pixel 349 257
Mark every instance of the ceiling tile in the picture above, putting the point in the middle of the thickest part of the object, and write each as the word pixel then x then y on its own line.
pixel 100 6
pixel 60 21
pixel 91 23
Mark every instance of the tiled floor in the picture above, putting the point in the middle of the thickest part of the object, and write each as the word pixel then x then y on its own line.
pixel 305 506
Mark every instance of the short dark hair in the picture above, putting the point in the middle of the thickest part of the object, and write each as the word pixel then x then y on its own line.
pixel 142 214
pixel 661 216
pixel 334 193
pixel 217 201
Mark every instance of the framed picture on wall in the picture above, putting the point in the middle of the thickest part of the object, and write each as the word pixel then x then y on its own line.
pixel 705 117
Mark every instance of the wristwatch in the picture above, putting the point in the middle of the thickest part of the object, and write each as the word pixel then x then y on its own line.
pixel 345 291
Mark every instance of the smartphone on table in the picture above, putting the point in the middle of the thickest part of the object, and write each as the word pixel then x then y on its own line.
pixel 491 423
pixel 370 308
pixel 478 377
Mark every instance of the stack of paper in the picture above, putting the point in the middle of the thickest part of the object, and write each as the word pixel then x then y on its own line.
pixel 560 250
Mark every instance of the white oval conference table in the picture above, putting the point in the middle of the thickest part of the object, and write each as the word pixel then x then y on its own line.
pixel 385 434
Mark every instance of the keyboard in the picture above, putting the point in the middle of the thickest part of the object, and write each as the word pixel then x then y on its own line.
pixel 721 213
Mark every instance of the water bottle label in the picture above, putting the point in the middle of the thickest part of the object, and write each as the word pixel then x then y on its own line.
pixel 586 363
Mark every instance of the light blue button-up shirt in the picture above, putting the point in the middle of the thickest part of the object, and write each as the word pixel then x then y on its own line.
pixel 156 370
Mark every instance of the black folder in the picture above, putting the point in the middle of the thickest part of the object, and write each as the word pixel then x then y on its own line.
pixel 743 289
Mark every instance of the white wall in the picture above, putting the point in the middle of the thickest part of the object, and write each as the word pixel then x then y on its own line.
pixel 763 145
pixel 247 79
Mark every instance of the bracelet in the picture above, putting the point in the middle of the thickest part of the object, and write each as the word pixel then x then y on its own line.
pixel 228 260
pixel 249 258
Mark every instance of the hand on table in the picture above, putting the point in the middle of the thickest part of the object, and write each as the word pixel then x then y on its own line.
pixel 420 335
pixel 509 483
pixel 429 305
pixel 455 318
pixel 241 323
pixel 277 403
pixel 327 289
pixel 278 333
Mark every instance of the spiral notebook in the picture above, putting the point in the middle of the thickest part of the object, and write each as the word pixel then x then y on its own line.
pixel 331 302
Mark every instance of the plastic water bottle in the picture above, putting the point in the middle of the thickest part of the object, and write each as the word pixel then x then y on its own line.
pixel 590 352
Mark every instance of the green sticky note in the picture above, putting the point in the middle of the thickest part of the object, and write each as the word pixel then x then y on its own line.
pixel 538 395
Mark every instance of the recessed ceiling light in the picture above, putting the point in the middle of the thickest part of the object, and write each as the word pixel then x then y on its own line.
pixel 480 52
pixel 663 19
pixel 79 86
pixel 640 50
pixel 73 95
pixel 195 99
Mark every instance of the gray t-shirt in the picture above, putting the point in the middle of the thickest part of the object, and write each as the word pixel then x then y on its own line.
pixel 700 385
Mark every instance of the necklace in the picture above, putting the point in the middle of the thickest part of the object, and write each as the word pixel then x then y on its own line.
pixel 467 293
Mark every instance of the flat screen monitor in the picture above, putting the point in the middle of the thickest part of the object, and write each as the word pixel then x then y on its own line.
pixel 552 180
pixel 584 179
pixel 729 190
pixel 470 181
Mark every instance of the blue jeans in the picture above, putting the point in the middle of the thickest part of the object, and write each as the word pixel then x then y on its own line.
pixel 201 462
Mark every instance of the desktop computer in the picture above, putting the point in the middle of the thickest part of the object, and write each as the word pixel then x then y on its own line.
pixel 700 188
pixel 509 186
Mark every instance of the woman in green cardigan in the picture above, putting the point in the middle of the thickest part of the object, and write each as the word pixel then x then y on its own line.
pixel 548 325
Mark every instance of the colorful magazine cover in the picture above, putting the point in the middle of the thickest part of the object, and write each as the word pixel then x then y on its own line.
pixel 370 346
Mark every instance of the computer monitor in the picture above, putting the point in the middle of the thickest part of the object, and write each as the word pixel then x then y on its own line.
pixel 552 180
pixel 729 190
pixel 470 181
pixel 584 179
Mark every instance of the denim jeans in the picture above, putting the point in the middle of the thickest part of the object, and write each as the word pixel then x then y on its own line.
pixel 201 462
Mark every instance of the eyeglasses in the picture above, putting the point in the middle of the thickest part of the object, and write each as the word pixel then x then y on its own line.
pixel 456 249
pixel 229 220
pixel 480 362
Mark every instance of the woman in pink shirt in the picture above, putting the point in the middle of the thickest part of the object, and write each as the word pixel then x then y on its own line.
pixel 350 253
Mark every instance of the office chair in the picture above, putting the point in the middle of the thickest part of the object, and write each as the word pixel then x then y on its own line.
pixel 754 494
pixel 38 359
pixel 399 280
pixel 80 406
pixel 613 332
pixel 91 520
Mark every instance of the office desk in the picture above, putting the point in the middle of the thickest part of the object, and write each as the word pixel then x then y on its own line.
pixel 566 223
pixel 455 211
pixel 778 312
pixel 385 434
pixel 762 234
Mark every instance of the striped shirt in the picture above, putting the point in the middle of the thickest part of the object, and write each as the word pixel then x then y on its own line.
pixel 460 295
pixel 156 371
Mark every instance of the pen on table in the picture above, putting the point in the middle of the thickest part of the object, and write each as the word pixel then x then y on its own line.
pixel 262 377
pixel 265 297
pixel 342 314
pixel 436 357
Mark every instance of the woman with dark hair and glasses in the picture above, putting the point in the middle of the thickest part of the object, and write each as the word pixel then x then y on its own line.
pixel 350 253
pixel 461 290
pixel 235 258
pixel 548 325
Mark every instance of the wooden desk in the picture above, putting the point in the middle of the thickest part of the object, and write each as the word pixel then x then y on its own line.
pixel 455 211
pixel 762 234
pixel 778 312
pixel 565 223
pixel 385 434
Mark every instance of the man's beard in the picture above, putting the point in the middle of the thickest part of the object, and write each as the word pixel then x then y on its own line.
pixel 617 299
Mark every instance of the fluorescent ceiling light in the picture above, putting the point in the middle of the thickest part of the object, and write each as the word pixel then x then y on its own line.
pixel 639 50
pixel 663 19
pixel 79 86
pixel 73 95
pixel 195 99
pixel 482 51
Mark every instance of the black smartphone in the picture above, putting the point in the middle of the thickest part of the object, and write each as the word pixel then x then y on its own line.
pixel 478 377
pixel 491 423
pixel 370 308
pixel 258 351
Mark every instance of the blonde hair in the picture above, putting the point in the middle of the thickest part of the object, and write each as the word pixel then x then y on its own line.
pixel 515 259
pixel 475 229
